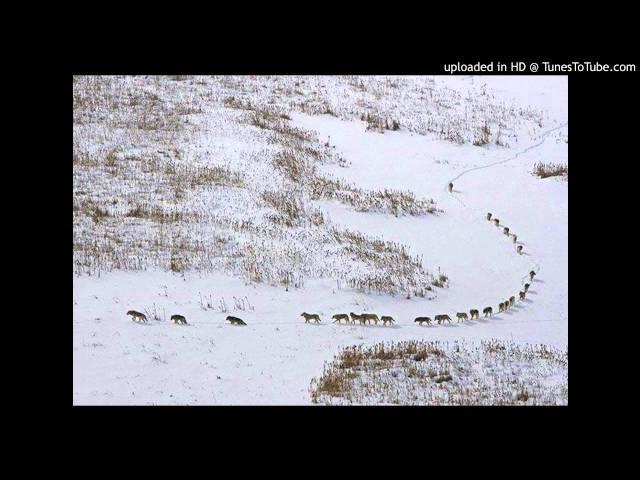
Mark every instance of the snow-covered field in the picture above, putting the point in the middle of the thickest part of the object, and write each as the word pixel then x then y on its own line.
pixel 273 359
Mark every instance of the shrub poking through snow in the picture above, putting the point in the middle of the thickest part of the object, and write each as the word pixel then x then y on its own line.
pixel 205 175
pixel 545 170
pixel 439 373
pixel 396 202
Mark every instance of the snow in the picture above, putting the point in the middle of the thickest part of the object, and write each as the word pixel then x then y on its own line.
pixel 274 357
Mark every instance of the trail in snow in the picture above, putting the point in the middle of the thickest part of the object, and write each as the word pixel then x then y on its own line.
pixel 530 147
pixel 501 162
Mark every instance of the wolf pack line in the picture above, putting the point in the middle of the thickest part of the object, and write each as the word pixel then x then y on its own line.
pixel 367 318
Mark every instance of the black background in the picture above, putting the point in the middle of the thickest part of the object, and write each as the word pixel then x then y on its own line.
pixel 602 113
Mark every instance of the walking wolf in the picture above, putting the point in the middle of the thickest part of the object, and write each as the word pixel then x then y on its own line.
pixel 422 320
pixel 340 316
pixel 386 319
pixel 310 316
pixel 488 311
pixel 474 313
pixel 137 316
pixel 179 319
pixel 370 316
pixel 235 320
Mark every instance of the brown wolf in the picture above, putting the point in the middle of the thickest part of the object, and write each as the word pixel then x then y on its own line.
pixel 355 317
pixel 522 295
pixel 235 320
pixel 310 316
pixel 442 318
pixel 179 319
pixel 340 316
pixel 370 316
pixel 137 316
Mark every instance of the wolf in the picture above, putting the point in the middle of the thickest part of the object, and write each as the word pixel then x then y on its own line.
pixel 235 320
pixel 515 238
pixel 522 295
pixel 462 316
pixel 532 274
pixel 474 313
pixel 488 311
pixel 355 317
pixel 512 301
pixel 519 249
pixel 505 230
pixel 422 320
pixel 501 307
pixel 370 316
pixel 496 222
pixel 386 319
pixel 179 319
pixel 450 187
pixel 489 216
pixel 442 318
pixel 340 316
pixel 526 287
pixel 137 316
pixel 310 316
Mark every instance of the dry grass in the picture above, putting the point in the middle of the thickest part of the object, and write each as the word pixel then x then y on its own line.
pixel 389 265
pixel 290 210
pixel 154 187
pixel 545 170
pixel 390 201
pixel 378 124
pixel 438 373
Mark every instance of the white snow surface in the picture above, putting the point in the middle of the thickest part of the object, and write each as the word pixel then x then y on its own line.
pixel 273 359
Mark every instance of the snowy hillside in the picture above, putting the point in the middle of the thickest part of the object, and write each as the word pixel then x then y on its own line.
pixel 266 197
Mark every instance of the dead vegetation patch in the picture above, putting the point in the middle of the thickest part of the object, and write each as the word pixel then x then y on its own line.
pixel 421 372
pixel 545 170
